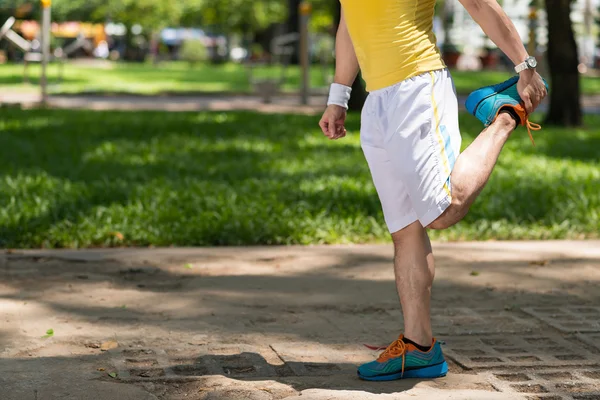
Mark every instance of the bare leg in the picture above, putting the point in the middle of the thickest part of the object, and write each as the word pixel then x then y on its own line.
pixel 414 270
pixel 413 260
pixel 473 169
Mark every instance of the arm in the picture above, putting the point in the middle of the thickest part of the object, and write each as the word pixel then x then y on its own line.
pixel 496 24
pixel 346 63
pixel 500 29
pixel 346 70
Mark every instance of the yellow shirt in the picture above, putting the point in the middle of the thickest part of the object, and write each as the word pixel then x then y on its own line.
pixel 393 39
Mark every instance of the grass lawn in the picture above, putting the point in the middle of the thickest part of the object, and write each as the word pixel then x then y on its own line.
pixel 84 178
pixel 466 82
pixel 176 77
pixel 147 79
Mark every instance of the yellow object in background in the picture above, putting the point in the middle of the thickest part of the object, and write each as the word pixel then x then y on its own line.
pixel 305 8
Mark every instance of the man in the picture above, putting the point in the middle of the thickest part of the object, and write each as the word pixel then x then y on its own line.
pixel 411 140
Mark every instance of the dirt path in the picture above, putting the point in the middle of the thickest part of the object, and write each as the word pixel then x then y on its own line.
pixel 209 102
pixel 520 320
pixel 215 102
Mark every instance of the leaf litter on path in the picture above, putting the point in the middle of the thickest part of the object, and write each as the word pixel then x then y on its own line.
pixel 49 333
pixel 109 345
pixel 541 263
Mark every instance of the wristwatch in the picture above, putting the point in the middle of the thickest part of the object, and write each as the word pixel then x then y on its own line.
pixel 529 63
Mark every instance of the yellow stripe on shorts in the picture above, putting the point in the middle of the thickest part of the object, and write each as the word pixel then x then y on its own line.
pixel 439 134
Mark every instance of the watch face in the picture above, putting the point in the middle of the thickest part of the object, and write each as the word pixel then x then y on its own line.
pixel 531 62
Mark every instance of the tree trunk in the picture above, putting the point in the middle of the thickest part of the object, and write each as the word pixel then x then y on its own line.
pixel 359 93
pixel 565 105
pixel 293 25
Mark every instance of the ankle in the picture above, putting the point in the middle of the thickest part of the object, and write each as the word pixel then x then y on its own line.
pixel 506 119
pixel 422 339
pixel 425 346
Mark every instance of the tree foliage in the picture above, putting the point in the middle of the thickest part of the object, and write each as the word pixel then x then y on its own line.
pixel 226 15
pixel 150 14
pixel 15 8
pixel 242 16
pixel 77 10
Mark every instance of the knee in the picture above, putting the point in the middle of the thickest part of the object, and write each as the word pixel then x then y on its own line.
pixel 407 234
pixel 438 224
pixel 453 214
pixel 443 222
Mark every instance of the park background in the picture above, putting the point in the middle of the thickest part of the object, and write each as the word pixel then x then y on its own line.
pixel 162 131
pixel 77 177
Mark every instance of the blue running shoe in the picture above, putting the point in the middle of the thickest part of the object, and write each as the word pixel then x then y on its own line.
pixel 403 360
pixel 487 102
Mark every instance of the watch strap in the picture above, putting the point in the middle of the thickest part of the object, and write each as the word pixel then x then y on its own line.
pixel 521 67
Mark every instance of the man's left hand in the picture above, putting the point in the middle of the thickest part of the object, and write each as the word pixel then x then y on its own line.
pixel 532 89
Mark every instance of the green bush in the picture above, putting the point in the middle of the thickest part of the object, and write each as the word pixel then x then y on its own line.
pixel 193 51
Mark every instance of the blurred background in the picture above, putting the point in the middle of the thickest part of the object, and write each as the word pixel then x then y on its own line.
pixel 77 176
pixel 217 41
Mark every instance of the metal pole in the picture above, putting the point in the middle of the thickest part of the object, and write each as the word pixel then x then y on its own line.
pixel 305 9
pixel 588 51
pixel 46 13
pixel 532 45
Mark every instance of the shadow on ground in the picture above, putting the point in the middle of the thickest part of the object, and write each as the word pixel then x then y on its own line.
pixel 283 315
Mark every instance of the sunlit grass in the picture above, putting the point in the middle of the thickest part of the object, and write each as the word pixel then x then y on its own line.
pixel 76 178
pixel 177 77
pixel 148 79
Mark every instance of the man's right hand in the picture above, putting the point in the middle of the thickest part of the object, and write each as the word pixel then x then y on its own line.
pixel 332 122
pixel 532 89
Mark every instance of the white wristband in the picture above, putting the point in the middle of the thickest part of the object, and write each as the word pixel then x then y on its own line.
pixel 339 95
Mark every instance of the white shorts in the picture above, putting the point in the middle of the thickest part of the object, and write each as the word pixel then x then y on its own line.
pixel 409 134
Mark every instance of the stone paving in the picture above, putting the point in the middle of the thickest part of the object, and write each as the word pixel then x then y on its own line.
pixel 289 322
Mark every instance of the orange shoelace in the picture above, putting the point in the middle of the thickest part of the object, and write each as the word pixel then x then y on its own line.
pixel 396 349
pixel 532 127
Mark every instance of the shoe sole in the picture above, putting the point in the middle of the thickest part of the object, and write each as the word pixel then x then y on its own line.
pixel 435 371
pixel 478 96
